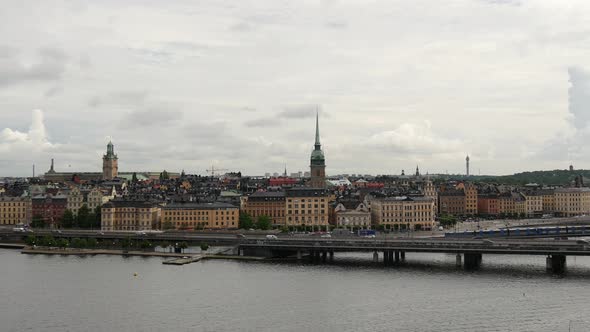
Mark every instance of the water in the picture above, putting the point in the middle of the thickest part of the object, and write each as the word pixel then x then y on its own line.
pixel 101 293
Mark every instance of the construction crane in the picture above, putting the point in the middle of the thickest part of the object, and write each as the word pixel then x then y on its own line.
pixel 211 171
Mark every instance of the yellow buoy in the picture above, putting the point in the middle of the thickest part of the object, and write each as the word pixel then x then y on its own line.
pixel 135 274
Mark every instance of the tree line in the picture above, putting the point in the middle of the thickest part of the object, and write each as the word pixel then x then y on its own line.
pixel 84 219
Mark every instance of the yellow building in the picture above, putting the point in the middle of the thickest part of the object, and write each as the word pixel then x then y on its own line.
pixel 190 216
pixel 307 206
pixel 130 215
pixel 534 204
pixel 548 201
pixel 470 197
pixel 572 201
pixel 15 210
pixel 403 212
pixel 267 203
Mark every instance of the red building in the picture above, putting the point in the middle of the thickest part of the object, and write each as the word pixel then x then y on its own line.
pixel 49 207
pixel 488 205
pixel 282 181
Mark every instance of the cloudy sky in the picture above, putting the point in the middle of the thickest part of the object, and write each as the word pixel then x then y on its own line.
pixel 186 84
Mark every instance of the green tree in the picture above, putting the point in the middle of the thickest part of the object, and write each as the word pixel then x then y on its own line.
pixel 67 221
pixel 164 245
pixel 134 178
pixel 164 175
pixel 92 243
pixel 126 243
pixel 146 244
pixel 97 217
pixel 167 225
pixel 62 243
pixel 31 240
pixel 47 241
pixel 204 246
pixel 447 220
pixel 183 245
pixel 284 229
pixel 263 223
pixel 246 221
pixel 83 217
pixel 37 222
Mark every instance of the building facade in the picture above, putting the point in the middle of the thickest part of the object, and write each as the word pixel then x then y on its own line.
pixel 571 202
pixel 50 208
pixel 403 212
pixel 191 216
pixel 267 203
pixel 307 206
pixel 110 163
pixel 15 210
pixel 451 202
pixel 359 217
pixel 130 215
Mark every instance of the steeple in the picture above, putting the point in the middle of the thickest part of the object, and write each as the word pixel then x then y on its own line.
pixel 318 145
pixel 417 171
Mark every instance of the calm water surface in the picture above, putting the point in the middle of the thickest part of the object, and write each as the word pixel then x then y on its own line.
pixel 101 293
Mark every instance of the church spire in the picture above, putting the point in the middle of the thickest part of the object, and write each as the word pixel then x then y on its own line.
pixel 318 145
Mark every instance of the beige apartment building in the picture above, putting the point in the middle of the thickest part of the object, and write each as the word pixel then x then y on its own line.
pixel 534 203
pixel 267 203
pixel 571 202
pixel 403 212
pixel 130 215
pixel 307 206
pixel 190 216
pixel 470 191
pixel 15 210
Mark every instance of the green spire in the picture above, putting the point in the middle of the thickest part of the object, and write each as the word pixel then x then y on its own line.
pixel 318 146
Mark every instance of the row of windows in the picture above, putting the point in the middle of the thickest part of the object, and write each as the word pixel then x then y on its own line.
pixel 12 203
pixel 303 200
pixel 303 212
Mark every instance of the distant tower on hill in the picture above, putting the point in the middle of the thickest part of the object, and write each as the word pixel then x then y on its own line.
pixel 110 163
pixel 467 165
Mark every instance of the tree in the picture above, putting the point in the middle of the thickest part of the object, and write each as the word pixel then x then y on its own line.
pixel 183 245
pixel 31 240
pixel 97 217
pixel 92 243
pixel 246 221
pixel 164 245
pixel 145 244
pixel 164 175
pixel 264 222
pixel 37 222
pixel 134 178
pixel 204 246
pixel 67 221
pixel 83 217
pixel 61 243
pixel 47 240
pixel 79 243
pixel 447 220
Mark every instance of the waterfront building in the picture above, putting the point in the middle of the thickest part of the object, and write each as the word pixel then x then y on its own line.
pixel 49 207
pixel 533 203
pixel 318 161
pixel 548 196
pixel 191 216
pixel 470 191
pixel 356 215
pixel 110 163
pixel 15 210
pixel 267 203
pixel 571 202
pixel 429 191
pixel 452 202
pixel 130 215
pixel 403 212
pixel 506 203
pixel 519 203
pixel 488 204
pixel 307 206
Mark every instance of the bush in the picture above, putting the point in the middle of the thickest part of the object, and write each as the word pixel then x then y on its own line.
pixel 204 246
pixel 31 240
pixel 92 243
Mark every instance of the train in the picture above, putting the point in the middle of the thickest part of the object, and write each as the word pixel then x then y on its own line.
pixel 522 232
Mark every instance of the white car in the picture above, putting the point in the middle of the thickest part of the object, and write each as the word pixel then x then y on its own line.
pixel 271 237
pixel 326 236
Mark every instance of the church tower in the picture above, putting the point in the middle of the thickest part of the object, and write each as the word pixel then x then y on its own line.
pixel 110 163
pixel 318 161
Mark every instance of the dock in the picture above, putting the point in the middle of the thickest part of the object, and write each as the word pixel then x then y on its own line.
pixel 183 260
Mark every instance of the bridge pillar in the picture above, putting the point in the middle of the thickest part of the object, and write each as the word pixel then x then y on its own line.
pixel 324 256
pixel 298 254
pixel 556 263
pixel 386 257
pixel 375 257
pixel 472 261
pixel 458 262
pixel 403 256
pixel 396 257
pixel 331 255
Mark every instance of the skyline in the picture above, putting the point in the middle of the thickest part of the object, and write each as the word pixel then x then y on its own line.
pixel 397 84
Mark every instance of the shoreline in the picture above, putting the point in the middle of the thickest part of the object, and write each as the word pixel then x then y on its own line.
pixel 91 252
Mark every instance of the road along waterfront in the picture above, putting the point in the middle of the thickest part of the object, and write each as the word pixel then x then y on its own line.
pixel 116 293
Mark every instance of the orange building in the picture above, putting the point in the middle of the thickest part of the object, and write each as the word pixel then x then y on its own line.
pixel 267 203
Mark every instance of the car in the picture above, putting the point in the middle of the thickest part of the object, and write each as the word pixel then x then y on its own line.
pixel 240 236
pixel 584 242
pixel 370 236
pixel 100 233
pixel 57 231
pixel 18 229
pixel 141 233
pixel 271 237
pixel 326 236
pixel 440 228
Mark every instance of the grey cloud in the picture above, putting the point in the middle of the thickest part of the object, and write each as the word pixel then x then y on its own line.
pixel 337 24
pixel 130 97
pixel 53 91
pixel 50 66
pixel 151 117
pixel 262 122
pixel 579 97
pixel 242 27
pixel 301 112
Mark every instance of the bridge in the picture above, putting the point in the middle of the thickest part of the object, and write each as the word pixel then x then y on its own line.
pixel 468 252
